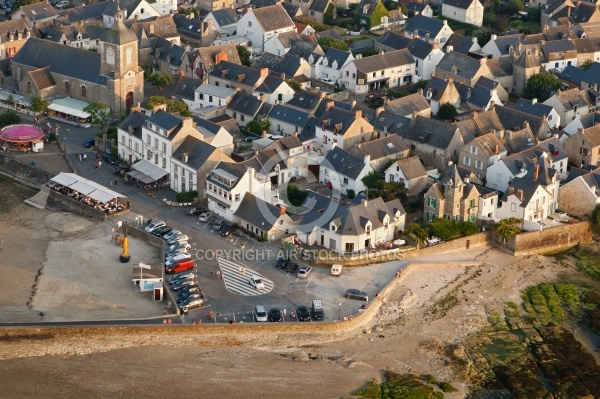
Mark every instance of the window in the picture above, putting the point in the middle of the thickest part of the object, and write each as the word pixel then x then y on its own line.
pixel 242 118
pixel 237 197
pixel 473 150
pixel 479 165
pixel 583 151
pixel 249 24
pixel 210 99
pixel 353 75
pixel 467 161
pixel 374 74
pixel 28 87
pixel 347 73
pixel 417 63
pixel 549 117
pixel 83 91
pixel 513 207
pixel 345 180
pixel 556 65
pixel 67 87
pixel 472 203
pixel 382 72
pixel 432 202
pixel 312 12
pixel 201 96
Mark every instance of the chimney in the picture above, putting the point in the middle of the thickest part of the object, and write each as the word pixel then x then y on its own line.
pixel 520 194
pixel 364 202
pixel 264 134
pixel 415 114
pixel 282 210
pixel 543 118
pixel 445 22
pixel 192 15
pixel 496 149
pixel 250 171
pixel 436 45
pixel 220 56
pixel 378 111
pixel 449 49
pixel 329 104
pixel 469 92
pixel 283 75
pixel 511 191
pixel 492 104
pixel 474 39
pixel 420 91
pixel 151 29
pixel 130 129
pixel 525 124
pixel 494 36
pixel 534 101
pixel 185 157
pixel 367 159
pixel 482 61
pixel 358 113
pixel 358 56
pixel 536 172
pixel 295 134
pixel 264 72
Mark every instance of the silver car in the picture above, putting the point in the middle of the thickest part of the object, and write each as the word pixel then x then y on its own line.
pixel 196 303
pixel 176 239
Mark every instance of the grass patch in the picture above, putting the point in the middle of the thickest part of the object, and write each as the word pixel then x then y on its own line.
pixel 405 386
pixel 588 260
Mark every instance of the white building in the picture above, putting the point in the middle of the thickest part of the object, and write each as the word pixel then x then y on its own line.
pixel 392 69
pixel 342 171
pixel 427 56
pixel 260 24
pixel 467 11
pixel 330 65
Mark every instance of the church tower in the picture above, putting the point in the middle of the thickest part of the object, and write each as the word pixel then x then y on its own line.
pixel 119 63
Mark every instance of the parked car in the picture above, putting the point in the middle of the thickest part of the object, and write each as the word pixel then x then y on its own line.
pixel 190 288
pixel 183 282
pixel 292 267
pixel 3 5
pixel 170 254
pixel 88 143
pixel 161 231
pixel 8 4
pixel 356 294
pixel 179 267
pixel 275 315
pixel 180 245
pixel 153 226
pixel 256 282
pixel 260 313
pixel 217 224
pixel 184 300
pixel 171 234
pixel 327 80
pixel 226 230
pixel 179 238
pixel 302 313
pixel 282 263
pixel 205 217
pixel 179 276
pixel 304 271
pixel 62 4
pixel 196 303
pixel 177 258
pixel 195 211
pixel 110 159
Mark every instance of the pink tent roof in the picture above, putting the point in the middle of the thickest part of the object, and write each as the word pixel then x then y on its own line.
pixel 21 133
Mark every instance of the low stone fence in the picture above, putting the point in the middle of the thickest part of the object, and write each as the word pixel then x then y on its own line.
pixel 59 202
pixel 23 172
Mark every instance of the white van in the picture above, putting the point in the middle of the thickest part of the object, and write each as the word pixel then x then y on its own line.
pixel 336 270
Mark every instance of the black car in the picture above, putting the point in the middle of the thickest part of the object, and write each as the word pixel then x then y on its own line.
pixel 89 143
pixel 226 230
pixel 195 211
pixel 282 263
pixel 302 313
pixel 161 231
pixel 110 159
pixel 292 268
pixel 275 315
pixel 353 293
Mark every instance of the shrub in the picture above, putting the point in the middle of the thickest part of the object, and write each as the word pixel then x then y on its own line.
pixel 446 387
pixel 52 137
pixel 351 194
pixel 468 228
pixel 188 196
pixel 444 229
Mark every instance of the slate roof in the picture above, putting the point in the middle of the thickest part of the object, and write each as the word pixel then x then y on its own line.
pixel 505 43
pixel 337 118
pixel 411 167
pixel 438 87
pixel 135 119
pixel 572 98
pixel 38 53
pixel 477 95
pixel 583 12
pixel 528 185
pixel 387 123
pixel 197 151
pixel 213 90
pixel 463 4
pixel 431 131
pixel 227 123
pixel 305 100
pixel 230 71
pixel 333 33
pixel 42 78
pixel 85 12
pixel 537 109
pixel 244 103
pixel 405 106
pixel 290 115
pixel 344 163
pixel 466 67
pixel 420 48
pixel 5 67
pixel 291 9
pixel 499 67
pixel 247 212
pixel 270 84
pixel 186 87
pixel 206 127
pixel 589 120
pixel 289 64
pixel 303 48
pixel 165 120
pixel 273 18
pixel 577 75
pixel 424 25
pixel 416 6
pixel 391 145
pixel 334 55
pixel 370 6
pixel 319 5
pixel 187 26
pixel 378 62
pixel 488 143
pixel 39 11
pixel 461 44
pixel 337 104
pixel 393 40
pixel 361 45
pixel 225 16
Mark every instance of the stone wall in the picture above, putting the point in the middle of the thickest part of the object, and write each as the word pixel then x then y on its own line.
pixel 62 203
pixel 23 172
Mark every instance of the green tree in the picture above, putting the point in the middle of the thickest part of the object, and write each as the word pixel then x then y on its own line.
pixel 509 227
pixel 444 228
pixel 586 64
pixel 370 52
pixel 159 80
pixel 371 179
pixel 39 104
pixel 595 219
pixel 100 115
pixel 330 14
pixel 176 106
pixel 496 6
pixel 244 54
pixel 257 126
pixel 351 194
pixel 468 228
pixel 390 191
pixel 447 111
pixel 296 196
pixel 154 101
pixel 541 86
pixel 9 117
pixel 294 85
pixel 416 232
pixel 328 42
pixel 374 19
pixel 515 6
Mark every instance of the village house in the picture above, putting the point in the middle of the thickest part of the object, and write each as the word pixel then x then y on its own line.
pixel 410 172
pixel 533 107
pixel 287 121
pixel 419 8
pixel 462 68
pixel 129 137
pixel 224 20
pixel 409 106
pixel 330 65
pixel 583 122
pixel 13 35
pixel 392 69
pixel 263 218
pixel 480 97
pixel 480 153
pixel 503 46
pixel 428 29
pixel 293 160
pixel 341 128
pixel 558 55
pixel 571 103
pixel 467 11
pixel 382 151
pixel 273 90
pixel 583 147
pixel 580 193
pixel 317 8
pixel 342 172
pixel 232 75
pixel 554 11
pixel 245 107
pixel 462 44
pixel 441 91
pixel 260 24
pixel 199 63
pixel 427 56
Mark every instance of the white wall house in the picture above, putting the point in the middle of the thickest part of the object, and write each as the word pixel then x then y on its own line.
pixel 426 56
pixel 569 104
pixel 129 137
pixel 392 69
pixel 467 11
pixel 208 95
pixel 330 65
pixel 260 24
pixel 344 171
pixel 274 90
pixel 428 29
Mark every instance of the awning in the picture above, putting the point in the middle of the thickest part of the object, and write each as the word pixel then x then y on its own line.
pixel 86 187
pixel 149 169
pixel 70 106
pixel 141 177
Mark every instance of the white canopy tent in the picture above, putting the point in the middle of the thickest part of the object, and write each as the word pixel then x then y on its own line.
pixel 149 172
pixel 70 106
pixel 87 187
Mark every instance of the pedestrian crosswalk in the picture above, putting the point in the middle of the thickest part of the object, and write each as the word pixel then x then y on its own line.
pixel 236 277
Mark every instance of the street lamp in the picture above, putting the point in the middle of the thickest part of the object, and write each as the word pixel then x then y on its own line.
pixel 340 310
